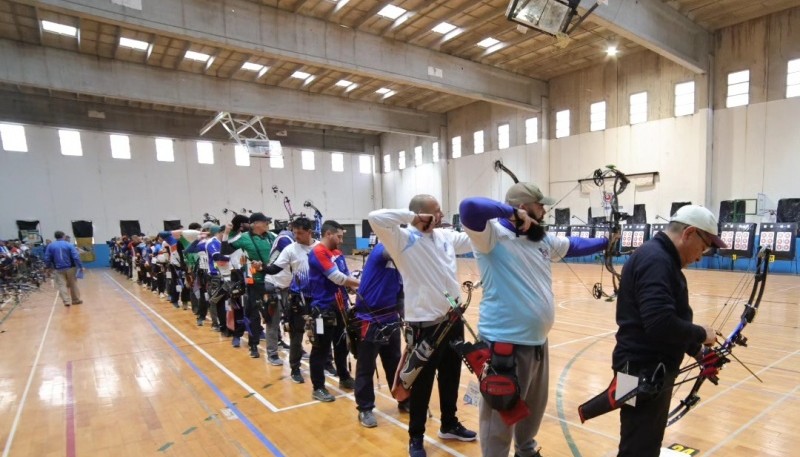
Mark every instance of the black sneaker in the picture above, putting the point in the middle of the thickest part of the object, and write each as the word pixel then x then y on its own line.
pixel 404 406
pixel 254 352
pixel 297 377
pixel 347 384
pixel 330 371
pixel 538 454
pixel 416 448
pixel 457 432
pixel 282 344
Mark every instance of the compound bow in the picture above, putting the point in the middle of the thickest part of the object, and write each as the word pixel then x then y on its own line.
pixel 713 359
pixel 614 230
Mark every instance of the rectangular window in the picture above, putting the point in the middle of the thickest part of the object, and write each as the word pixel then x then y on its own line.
pixel 418 155
pixel 597 116
pixel 456 146
pixel 531 130
pixel 503 136
pixel 307 159
pixel 435 155
pixel 638 106
pixel 401 160
pixel 738 89
pixel 684 98
pixel 276 154
pixel 365 164
pixel 793 79
pixel 13 138
pixel 164 150
pixel 120 146
pixel 562 123
pixel 387 163
pixel 477 139
pixel 70 142
pixel 241 156
pixel 205 152
pixel 337 162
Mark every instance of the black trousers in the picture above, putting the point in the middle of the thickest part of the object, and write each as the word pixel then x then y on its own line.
pixel 333 334
pixel 448 364
pixel 368 351
pixel 294 317
pixel 642 427
pixel 252 313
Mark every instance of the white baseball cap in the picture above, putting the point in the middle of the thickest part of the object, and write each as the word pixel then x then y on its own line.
pixel 701 218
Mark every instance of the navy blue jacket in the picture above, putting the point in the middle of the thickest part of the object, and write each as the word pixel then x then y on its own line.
pixel 653 312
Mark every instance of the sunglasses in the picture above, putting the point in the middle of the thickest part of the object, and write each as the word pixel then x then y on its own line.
pixel 707 245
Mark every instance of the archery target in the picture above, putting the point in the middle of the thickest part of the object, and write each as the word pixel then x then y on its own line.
pixel 626 238
pixel 638 239
pixel 727 237
pixel 767 239
pixel 784 242
pixel 740 244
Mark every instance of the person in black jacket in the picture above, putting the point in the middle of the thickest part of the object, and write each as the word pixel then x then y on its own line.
pixel 655 323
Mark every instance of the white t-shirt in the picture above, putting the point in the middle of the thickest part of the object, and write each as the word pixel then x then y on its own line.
pixel 427 262
pixel 294 261
pixel 517 305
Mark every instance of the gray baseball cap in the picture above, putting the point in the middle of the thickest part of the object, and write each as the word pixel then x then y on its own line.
pixel 523 193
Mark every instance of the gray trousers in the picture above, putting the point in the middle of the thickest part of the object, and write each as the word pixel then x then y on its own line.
pixel 67 285
pixel 495 435
pixel 274 323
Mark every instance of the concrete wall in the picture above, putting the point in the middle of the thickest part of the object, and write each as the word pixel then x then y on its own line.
pixel 43 184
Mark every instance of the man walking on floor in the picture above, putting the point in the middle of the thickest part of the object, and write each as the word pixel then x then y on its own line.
pixel 63 257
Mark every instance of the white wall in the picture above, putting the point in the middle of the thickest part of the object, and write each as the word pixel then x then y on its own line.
pixel 55 189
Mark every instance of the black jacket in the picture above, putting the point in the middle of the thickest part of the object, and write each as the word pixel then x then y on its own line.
pixel 653 312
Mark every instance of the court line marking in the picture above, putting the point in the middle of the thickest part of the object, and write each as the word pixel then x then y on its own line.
pixel 17 417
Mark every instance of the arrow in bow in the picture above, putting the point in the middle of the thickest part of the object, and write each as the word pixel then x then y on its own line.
pixel 712 360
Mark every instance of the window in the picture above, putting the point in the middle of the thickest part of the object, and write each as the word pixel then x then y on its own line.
pixel 477 139
pixel 456 143
pixel 387 163
pixel 435 155
pixel 531 130
pixel 562 123
pixel 13 137
pixel 164 151
pixel 597 116
pixel 337 162
pixel 205 152
pixel 307 159
pixel 638 112
pixel 684 98
pixel 503 136
pixel 793 79
pixel 738 89
pixel 276 154
pixel 365 164
pixel 120 147
pixel 70 142
pixel 241 156
pixel 418 156
pixel 401 160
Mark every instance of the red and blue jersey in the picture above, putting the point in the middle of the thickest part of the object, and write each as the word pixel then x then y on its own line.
pixel 322 262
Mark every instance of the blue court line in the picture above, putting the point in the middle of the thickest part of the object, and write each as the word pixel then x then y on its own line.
pixel 250 426
pixel 560 402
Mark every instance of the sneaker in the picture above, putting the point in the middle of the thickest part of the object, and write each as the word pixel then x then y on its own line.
pixel 457 432
pixel 347 384
pixel 200 322
pixel 254 352
pixel 404 406
pixel 331 371
pixel 323 395
pixel 66 304
pixel 215 328
pixel 77 302
pixel 275 360
pixel 237 341
pixel 186 305
pixel 367 419
pixel 176 305
pixel 304 355
pixel 297 378
pixel 282 344
pixel 416 448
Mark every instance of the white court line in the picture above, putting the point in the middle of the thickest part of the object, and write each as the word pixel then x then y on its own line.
pixel 590 337
pixel 205 354
pixel 263 400
pixel 30 381
pixel 752 421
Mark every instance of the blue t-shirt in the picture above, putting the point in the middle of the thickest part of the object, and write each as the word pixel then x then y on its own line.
pixel 381 284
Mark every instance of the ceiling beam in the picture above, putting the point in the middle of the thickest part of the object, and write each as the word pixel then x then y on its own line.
pixel 69 71
pixel 249 27
pixel 659 28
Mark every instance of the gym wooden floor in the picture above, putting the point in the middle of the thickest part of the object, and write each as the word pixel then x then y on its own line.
pixel 125 374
